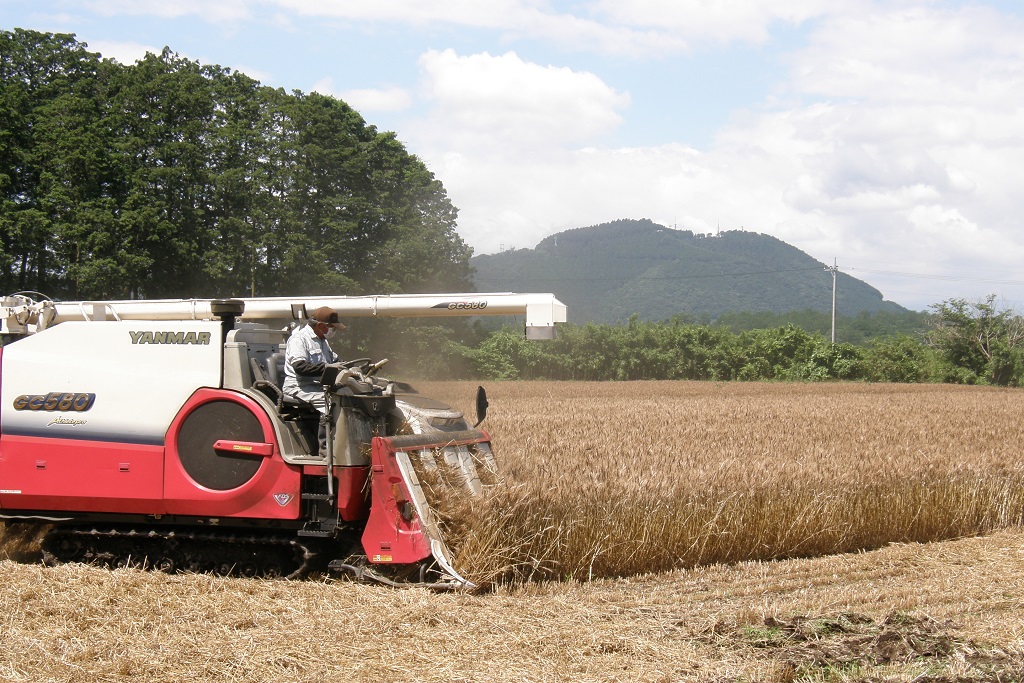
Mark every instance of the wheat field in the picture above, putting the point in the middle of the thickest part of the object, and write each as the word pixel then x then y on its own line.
pixel 615 479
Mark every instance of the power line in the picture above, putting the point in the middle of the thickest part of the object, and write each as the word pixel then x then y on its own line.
pixel 950 278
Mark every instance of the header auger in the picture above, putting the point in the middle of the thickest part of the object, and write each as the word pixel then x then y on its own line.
pixel 156 433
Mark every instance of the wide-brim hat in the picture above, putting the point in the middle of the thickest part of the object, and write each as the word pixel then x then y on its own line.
pixel 327 316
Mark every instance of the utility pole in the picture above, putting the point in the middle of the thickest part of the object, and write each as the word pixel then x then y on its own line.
pixel 834 269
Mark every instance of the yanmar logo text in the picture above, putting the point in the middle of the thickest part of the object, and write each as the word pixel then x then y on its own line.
pixel 462 305
pixel 147 337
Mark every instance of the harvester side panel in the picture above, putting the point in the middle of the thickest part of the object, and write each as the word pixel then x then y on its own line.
pixel 85 408
pixel 223 460
pixel 138 375
pixel 79 475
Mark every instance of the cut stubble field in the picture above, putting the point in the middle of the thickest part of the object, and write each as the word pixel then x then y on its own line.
pixel 644 531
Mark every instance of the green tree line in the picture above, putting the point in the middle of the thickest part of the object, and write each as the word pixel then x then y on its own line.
pixel 857 329
pixel 965 343
pixel 167 178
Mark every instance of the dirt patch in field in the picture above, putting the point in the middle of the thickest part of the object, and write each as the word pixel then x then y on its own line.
pixel 813 648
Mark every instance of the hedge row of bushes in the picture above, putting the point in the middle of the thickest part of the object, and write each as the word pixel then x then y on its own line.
pixel 967 343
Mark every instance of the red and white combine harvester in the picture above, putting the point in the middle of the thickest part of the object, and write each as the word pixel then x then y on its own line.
pixel 156 432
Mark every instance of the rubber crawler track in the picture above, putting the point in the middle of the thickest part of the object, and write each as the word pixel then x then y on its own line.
pixel 225 553
pixel 222 552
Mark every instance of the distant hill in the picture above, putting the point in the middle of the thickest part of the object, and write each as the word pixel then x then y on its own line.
pixel 605 273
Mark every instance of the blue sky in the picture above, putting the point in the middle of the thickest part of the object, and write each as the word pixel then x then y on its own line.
pixel 885 135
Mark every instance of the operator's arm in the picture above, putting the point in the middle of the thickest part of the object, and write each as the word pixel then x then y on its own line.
pixel 307 368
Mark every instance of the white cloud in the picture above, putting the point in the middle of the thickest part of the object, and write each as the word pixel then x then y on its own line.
pixel 366 100
pixel 968 56
pixel 925 125
pixel 252 72
pixel 495 13
pixel 482 101
pixel 216 11
pixel 724 21
pixel 501 133
pixel 325 86
pixel 123 52
pixel 630 27
pixel 510 18
pixel 378 100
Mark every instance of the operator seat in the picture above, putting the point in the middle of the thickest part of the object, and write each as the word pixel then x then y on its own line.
pixel 269 379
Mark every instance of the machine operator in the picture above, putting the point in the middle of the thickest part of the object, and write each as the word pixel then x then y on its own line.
pixel 305 357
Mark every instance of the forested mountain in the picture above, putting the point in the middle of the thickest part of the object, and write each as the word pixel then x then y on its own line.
pixel 605 273
pixel 168 178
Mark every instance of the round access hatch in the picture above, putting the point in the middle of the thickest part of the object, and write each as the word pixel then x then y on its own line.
pixel 209 423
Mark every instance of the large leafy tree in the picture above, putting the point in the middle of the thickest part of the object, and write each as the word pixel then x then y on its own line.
pixel 161 110
pixel 978 341
pixel 54 165
pixel 169 178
